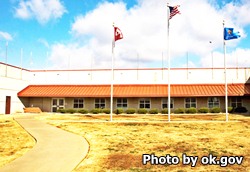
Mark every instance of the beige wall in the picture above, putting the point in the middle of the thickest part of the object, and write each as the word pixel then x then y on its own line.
pixel 68 103
pixel 25 101
pixel 156 103
pixel 246 103
pixel 36 102
pixel 89 103
pixel 133 103
pixel 45 103
pixel 140 76
pixel 178 102
pixel 201 102
pixel 46 107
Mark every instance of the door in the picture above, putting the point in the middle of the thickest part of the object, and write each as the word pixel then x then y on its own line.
pixel 7 105
pixel 57 103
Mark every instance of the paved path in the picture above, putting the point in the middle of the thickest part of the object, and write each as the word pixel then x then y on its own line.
pixel 55 150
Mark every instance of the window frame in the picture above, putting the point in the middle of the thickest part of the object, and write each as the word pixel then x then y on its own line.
pixel 190 102
pixel 76 101
pixel 100 103
pixel 237 102
pixel 124 104
pixel 212 103
pixel 144 103
pixel 171 103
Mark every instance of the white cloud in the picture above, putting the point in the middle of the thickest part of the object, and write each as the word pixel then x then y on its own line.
pixel 43 42
pixel 144 28
pixel 65 56
pixel 140 33
pixel 41 10
pixel 237 58
pixel 240 57
pixel 6 36
pixel 98 23
pixel 237 12
pixel 23 11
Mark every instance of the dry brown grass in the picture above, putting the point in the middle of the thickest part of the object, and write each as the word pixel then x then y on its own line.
pixel 118 146
pixel 15 141
pixel 134 117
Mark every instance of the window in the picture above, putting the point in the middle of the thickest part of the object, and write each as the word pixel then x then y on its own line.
pixel 144 103
pixel 122 103
pixel 213 102
pixel 236 102
pixel 190 102
pixel 57 103
pixel 61 102
pixel 78 103
pixel 165 103
pixel 100 103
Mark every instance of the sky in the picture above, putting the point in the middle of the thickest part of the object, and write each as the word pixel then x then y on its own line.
pixel 63 34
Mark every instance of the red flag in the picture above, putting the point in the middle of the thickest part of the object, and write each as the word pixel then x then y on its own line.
pixel 118 34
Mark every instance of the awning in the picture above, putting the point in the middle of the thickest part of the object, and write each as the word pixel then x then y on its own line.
pixel 149 90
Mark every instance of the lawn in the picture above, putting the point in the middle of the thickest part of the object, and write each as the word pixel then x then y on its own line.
pixel 119 145
pixel 14 140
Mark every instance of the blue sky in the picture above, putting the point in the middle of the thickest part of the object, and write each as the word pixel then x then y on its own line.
pixel 60 34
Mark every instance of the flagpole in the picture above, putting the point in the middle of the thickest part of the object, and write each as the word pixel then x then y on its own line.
pixel 6 59
pixel 21 57
pixel 112 78
pixel 137 66
pixel 117 35
pixel 225 71
pixel 187 65
pixel 168 68
pixel 162 65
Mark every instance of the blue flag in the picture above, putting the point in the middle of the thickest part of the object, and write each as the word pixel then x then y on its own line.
pixel 230 34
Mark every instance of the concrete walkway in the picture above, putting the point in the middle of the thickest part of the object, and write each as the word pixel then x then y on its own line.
pixel 55 150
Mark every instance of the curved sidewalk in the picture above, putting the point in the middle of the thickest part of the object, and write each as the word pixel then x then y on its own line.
pixel 55 150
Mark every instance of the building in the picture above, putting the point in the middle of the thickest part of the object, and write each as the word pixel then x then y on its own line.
pixel 133 88
pixel 12 80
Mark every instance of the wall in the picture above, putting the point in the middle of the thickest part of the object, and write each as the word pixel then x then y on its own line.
pixel 246 103
pixel 141 76
pixel 44 103
pixel 179 102
pixel 12 80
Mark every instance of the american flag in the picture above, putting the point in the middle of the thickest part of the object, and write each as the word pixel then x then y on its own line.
pixel 173 11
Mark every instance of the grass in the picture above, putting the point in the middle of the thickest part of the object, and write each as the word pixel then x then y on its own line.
pixel 14 140
pixel 119 145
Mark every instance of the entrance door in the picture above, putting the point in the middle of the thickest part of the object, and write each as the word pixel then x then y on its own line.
pixel 7 105
pixel 57 103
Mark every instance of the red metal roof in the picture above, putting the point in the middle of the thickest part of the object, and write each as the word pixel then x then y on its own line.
pixel 149 90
